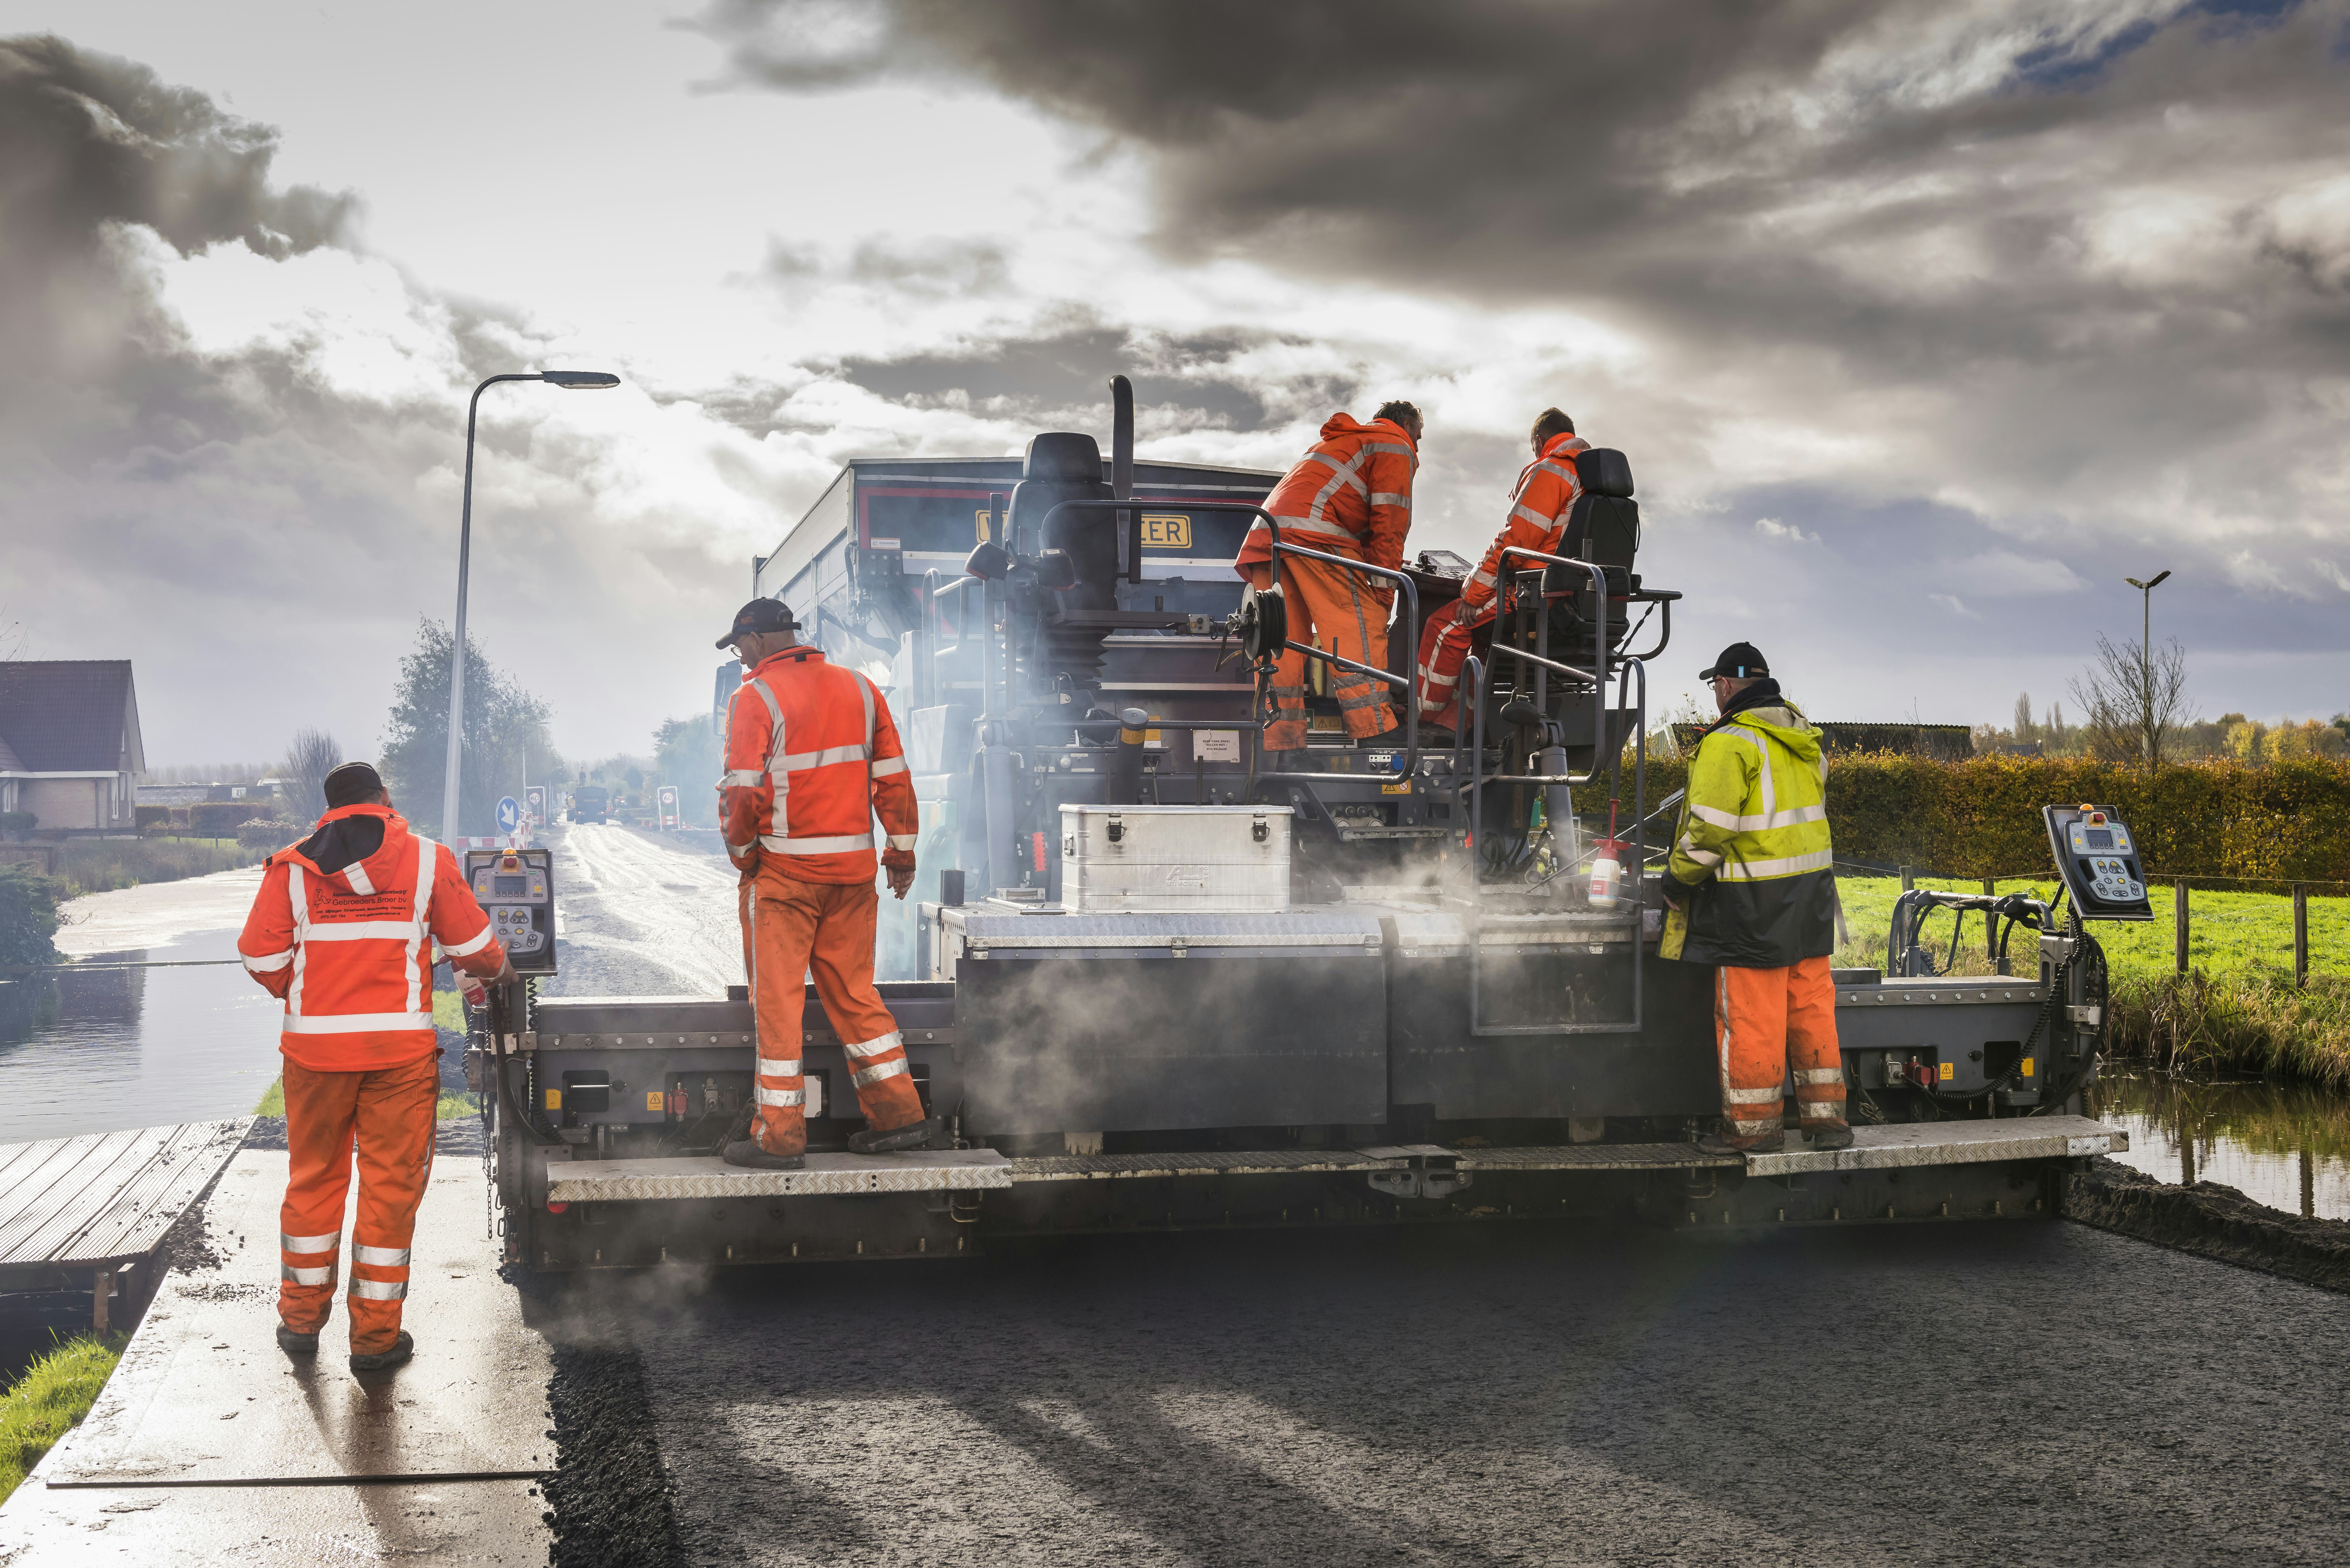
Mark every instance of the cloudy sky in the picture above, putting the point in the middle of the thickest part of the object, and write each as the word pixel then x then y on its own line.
pixel 1924 322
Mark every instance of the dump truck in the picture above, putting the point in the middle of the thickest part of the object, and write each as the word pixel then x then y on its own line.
pixel 1154 977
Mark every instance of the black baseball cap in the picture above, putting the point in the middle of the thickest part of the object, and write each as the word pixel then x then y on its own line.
pixel 352 784
pixel 1739 662
pixel 760 616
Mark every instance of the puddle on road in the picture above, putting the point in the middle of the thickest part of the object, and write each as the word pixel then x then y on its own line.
pixel 2284 1145
pixel 130 1048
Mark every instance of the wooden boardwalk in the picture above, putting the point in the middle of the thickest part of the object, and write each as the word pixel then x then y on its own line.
pixel 75 1212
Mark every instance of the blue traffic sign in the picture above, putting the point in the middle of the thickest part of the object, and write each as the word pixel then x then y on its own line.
pixel 509 813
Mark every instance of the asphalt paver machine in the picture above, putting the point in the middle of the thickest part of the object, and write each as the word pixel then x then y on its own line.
pixel 1155 976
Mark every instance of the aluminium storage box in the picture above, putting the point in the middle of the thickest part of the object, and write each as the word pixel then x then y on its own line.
pixel 1124 860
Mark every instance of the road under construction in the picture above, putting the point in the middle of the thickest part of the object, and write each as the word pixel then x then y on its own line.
pixel 1489 1391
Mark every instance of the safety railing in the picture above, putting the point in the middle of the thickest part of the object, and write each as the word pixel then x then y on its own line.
pixel 1278 550
pixel 1473 779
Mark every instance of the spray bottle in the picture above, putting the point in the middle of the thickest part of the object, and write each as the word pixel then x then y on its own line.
pixel 1607 867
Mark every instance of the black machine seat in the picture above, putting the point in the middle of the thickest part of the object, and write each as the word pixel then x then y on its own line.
pixel 1076 554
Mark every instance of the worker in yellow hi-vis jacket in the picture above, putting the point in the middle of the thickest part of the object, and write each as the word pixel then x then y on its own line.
pixel 1756 899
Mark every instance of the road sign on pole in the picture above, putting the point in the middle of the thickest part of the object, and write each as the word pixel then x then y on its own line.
pixel 534 800
pixel 667 797
pixel 509 813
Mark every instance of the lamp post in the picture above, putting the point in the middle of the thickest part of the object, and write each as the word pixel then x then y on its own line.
pixel 2146 659
pixel 571 381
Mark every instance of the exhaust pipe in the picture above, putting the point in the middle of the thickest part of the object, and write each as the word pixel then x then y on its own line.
pixel 1121 471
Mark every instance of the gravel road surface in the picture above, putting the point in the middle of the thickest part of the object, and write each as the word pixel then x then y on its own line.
pixel 2026 1392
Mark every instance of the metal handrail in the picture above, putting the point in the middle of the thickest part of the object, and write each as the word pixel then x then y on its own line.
pixel 1541 657
pixel 1365 568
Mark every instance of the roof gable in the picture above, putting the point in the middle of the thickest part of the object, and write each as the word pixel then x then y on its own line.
pixel 68 715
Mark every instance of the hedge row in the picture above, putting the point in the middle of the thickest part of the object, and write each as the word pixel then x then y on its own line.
pixel 2287 821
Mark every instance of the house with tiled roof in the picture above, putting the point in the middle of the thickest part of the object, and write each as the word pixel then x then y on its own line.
pixel 69 746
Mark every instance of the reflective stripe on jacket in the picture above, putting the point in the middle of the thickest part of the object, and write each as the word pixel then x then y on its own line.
pixel 1753 841
pixel 350 951
pixel 1547 489
pixel 812 757
pixel 1349 495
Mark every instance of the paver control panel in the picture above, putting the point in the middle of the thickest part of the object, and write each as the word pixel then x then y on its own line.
pixel 2099 862
pixel 517 888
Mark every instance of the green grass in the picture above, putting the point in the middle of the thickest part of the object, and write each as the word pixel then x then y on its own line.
pixel 2237 1010
pixel 49 1400
pixel 448 1012
pixel 102 865
pixel 2227 932
pixel 450 1108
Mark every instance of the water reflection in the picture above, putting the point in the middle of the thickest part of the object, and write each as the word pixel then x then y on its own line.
pixel 126 1048
pixel 2284 1145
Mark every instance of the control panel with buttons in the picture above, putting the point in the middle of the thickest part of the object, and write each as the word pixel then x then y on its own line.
pixel 2099 863
pixel 517 887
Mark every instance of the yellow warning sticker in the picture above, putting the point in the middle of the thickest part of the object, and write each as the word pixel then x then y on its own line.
pixel 1395 789
pixel 2027 1066
pixel 655 1100
pixel 1947 1069
pixel 1165 531
pixel 553 1099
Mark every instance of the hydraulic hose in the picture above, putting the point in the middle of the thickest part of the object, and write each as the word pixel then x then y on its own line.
pixel 499 1008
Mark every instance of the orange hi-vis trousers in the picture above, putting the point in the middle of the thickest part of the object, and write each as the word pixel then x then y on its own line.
pixel 1452 633
pixel 1766 1021
pixel 825 929
pixel 390 1111
pixel 1336 610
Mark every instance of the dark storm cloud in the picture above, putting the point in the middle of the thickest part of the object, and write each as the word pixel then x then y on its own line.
pixel 1062 365
pixel 2095 236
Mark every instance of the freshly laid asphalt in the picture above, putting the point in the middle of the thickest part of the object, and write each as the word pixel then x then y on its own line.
pixel 1962 1392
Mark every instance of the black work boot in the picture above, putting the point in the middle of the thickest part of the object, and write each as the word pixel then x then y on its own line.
pixel 913 1134
pixel 385 1360
pixel 1723 1143
pixel 746 1153
pixel 1837 1137
pixel 294 1344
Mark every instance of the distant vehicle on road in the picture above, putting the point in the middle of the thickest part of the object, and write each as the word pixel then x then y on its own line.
pixel 590 803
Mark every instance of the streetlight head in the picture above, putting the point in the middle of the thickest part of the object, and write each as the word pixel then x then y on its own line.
pixel 2158 577
pixel 2134 583
pixel 580 380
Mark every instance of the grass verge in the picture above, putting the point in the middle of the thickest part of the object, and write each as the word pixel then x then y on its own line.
pixel 2249 1021
pixel 102 865
pixel 49 1400
pixel 449 1108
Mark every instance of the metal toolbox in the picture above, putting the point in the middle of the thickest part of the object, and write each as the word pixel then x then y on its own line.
pixel 1121 859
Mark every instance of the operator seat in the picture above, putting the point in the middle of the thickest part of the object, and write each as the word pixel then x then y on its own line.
pixel 1076 556
pixel 1603 527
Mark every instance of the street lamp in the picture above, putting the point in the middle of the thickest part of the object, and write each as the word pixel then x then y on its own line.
pixel 2146 658
pixel 570 380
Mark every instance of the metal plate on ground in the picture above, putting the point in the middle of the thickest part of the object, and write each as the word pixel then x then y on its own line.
pixel 204 1396
pixel 825 1175
pixel 1948 1143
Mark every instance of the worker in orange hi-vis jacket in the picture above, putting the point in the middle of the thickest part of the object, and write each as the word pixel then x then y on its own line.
pixel 812 757
pixel 1349 495
pixel 343 931
pixel 1546 491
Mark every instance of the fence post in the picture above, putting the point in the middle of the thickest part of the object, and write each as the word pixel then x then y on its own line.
pixel 2300 935
pixel 1905 878
pixel 1990 927
pixel 2179 923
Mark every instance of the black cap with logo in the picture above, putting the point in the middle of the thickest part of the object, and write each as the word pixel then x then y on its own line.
pixel 1739 662
pixel 760 616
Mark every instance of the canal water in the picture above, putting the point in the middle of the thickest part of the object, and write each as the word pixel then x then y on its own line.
pixel 2284 1145
pixel 112 1048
